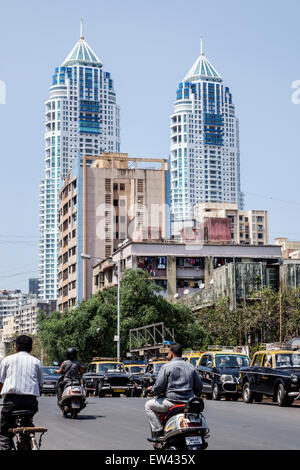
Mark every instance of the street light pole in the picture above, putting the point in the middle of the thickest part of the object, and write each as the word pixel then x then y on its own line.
pixel 118 327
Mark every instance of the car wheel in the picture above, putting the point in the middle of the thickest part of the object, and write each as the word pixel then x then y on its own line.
pixel 247 394
pixel 215 393
pixel 282 397
pixel 98 391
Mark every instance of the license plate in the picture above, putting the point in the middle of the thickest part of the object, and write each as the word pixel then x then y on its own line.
pixel 75 405
pixel 48 386
pixel 193 440
pixel 119 390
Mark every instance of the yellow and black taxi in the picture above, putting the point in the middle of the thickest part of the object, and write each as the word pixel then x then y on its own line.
pixel 136 370
pixel 107 376
pixel 152 369
pixel 192 357
pixel 219 371
pixel 272 373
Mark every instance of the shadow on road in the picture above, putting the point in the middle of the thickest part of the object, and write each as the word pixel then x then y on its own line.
pixel 270 403
pixel 86 417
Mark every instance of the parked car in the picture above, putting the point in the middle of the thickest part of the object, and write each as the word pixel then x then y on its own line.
pixel 192 357
pixel 275 374
pixel 219 371
pixel 50 379
pixel 137 372
pixel 107 376
pixel 152 369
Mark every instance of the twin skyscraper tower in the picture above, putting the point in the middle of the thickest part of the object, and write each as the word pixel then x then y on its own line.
pixel 83 118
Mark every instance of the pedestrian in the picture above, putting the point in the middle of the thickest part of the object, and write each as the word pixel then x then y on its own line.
pixel 21 376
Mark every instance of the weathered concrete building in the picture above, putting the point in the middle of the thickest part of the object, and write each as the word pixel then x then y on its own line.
pixel 247 227
pixel 105 200
pixel 236 281
pixel 182 268
pixel 288 247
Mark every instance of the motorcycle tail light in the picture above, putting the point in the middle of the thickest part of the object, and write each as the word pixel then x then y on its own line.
pixel 195 424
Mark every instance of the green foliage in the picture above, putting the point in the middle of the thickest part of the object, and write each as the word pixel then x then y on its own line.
pixel 255 321
pixel 91 326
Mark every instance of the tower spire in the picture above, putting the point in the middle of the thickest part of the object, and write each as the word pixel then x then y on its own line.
pixel 81 29
pixel 201 45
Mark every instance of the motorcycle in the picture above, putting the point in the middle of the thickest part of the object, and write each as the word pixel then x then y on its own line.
pixel 73 399
pixel 184 427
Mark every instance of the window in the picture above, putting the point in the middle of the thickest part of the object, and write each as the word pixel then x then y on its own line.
pixel 107 185
pixel 140 186
pixel 267 361
pixel 257 360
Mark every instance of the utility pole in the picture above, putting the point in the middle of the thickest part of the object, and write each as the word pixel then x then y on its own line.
pixel 118 327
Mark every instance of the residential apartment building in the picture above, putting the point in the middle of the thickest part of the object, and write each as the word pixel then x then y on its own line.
pixel 247 227
pixel 24 319
pixel 104 201
pixel 205 154
pixel 289 248
pixel 34 286
pixel 82 117
pixel 178 268
pixel 10 300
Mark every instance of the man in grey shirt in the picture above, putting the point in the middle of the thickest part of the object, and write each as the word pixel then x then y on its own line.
pixel 177 382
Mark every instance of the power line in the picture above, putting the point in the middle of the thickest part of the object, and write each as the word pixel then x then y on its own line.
pixel 274 199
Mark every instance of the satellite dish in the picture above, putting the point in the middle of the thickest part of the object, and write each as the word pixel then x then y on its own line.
pixel 186 291
pixel 202 286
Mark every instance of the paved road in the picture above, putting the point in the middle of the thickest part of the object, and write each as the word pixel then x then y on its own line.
pixel 121 424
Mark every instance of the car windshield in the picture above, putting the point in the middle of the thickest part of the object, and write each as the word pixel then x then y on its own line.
pixel 287 360
pixel 49 371
pixel 231 361
pixel 194 360
pixel 110 366
pixel 136 369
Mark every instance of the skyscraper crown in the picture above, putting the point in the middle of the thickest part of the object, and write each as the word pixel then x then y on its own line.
pixel 202 69
pixel 82 53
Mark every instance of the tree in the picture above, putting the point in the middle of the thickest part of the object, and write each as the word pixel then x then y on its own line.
pixel 91 326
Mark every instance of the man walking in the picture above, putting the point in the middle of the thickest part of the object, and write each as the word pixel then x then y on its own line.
pixel 21 376
pixel 177 382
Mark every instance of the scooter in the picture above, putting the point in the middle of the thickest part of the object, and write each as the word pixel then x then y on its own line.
pixel 73 399
pixel 184 427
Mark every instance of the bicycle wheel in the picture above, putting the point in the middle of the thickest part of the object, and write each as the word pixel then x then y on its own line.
pixel 25 443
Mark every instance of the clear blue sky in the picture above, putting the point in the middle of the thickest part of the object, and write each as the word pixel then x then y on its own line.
pixel 148 46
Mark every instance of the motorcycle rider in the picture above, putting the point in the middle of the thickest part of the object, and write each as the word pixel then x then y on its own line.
pixel 21 376
pixel 177 382
pixel 71 370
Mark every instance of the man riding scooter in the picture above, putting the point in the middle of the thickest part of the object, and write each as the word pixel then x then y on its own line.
pixel 70 370
pixel 177 382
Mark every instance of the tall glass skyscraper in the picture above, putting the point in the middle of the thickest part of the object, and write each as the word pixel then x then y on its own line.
pixel 82 118
pixel 205 155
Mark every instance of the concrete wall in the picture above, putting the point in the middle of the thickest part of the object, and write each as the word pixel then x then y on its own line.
pixel 290 275
pixel 235 281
